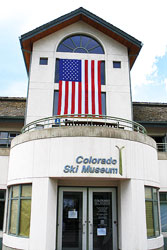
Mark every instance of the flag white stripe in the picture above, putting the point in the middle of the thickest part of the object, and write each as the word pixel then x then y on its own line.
pixel 96 88
pixel 69 96
pixel 76 98
pixel 83 85
pixel 63 98
pixel 89 88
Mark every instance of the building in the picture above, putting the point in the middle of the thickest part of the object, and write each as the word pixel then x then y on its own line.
pixel 84 173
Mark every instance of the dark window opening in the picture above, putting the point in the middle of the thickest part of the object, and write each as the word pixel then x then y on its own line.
pixel 43 61
pixel 6 137
pixel 2 206
pixel 116 65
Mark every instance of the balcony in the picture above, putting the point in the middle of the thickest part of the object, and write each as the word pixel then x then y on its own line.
pixel 84 120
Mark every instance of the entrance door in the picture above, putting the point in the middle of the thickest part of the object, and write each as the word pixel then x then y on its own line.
pixel 87 219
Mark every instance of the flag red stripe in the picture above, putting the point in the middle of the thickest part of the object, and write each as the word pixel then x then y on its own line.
pixel 86 86
pixel 99 87
pixel 60 96
pixel 79 97
pixel 93 87
pixel 73 98
pixel 66 98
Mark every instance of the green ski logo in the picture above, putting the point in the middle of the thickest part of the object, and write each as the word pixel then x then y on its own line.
pixel 120 159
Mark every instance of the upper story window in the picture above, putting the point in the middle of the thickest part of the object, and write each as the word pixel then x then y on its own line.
pixel 80 44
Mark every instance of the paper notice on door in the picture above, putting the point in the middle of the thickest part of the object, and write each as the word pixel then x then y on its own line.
pixel 72 214
pixel 101 231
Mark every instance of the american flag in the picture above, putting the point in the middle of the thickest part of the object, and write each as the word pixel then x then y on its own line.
pixel 79 87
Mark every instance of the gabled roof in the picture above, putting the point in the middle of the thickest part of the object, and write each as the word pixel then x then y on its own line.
pixel 29 38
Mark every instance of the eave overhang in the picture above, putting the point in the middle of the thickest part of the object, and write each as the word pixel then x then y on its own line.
pixel 26 40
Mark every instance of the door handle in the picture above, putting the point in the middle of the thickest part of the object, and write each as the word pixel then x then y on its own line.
pixel 91 228
pixel 83 227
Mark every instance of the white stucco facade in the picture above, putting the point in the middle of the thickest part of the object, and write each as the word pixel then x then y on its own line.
pixel 81 165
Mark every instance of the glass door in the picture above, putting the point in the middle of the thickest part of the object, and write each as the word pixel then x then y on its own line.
pixel 87 219
pixel 72 218
pixel 102 219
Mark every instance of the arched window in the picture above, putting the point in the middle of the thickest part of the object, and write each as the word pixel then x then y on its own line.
pixel 80 44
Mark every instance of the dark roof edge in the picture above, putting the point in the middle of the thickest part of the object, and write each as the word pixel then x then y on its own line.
pixel 150 103
pixel 12 117
pixel 13 99
pixel 74 13
pixel 152 122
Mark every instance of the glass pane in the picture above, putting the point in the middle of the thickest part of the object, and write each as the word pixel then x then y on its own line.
pixel 155 197
pixel 102 68
pixel 163 209
pixel 62 48
pixel 102 221
pixel 2 194
pixel 85 41
pixel 15 192
pixel 3 135
pixel 103 103
pixel 43 61
pixel 117 65
pixel 2 204
pixel 148 193
pixel 92 44
pixel 13 216
pixel 163 196
pixel 25 213
pixel 26 190
pixel 72 221
pixel 69 43
pixel 57 71
pixel 80 50
pixel 156 219
pixel 97 50
pixel 55 104
pixel 149 218
pixel 76 40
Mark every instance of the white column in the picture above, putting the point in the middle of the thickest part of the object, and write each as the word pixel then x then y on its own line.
pixel 43 214
pixel 131 215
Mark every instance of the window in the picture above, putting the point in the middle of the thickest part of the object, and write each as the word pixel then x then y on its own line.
pixel 56 98
pixel 19 210
pixel 152 215
pixel 2 205
pixel 80 44
pixel 6 137
pixel 103 103
pixel 116 65
pixel 102 71
pixel 43 61
pixel 163 209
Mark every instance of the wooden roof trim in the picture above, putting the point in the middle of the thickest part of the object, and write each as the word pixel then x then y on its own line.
pixel 29 38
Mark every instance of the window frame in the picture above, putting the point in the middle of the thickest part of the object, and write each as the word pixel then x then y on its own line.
pixel 162 202
pixel 18 199
pixel 154 201
pixel 116 62
pixel 45 59
pixel 3 200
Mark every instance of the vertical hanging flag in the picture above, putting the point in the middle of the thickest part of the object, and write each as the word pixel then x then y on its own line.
pixel 79 87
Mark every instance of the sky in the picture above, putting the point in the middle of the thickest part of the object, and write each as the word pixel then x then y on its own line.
pixel 146 20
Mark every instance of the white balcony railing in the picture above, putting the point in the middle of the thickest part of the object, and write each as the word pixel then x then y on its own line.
pixel 162 147
pixel 84 120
